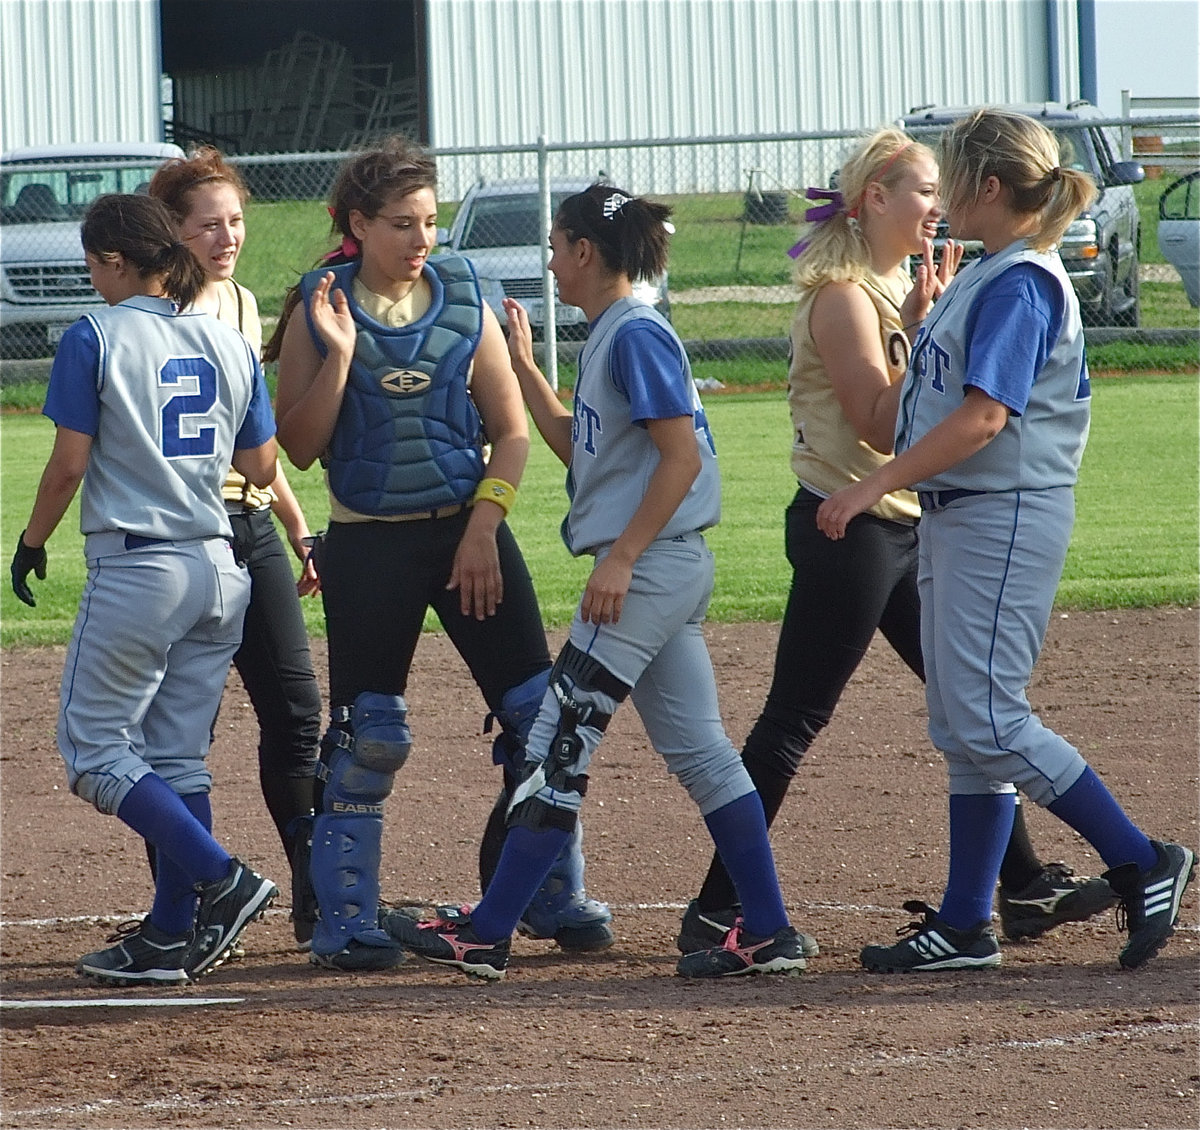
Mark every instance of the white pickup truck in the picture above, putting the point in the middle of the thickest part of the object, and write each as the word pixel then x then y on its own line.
pixel 44 191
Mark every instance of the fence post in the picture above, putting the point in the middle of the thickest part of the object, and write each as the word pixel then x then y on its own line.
pixel 549 313
pixel 1127 128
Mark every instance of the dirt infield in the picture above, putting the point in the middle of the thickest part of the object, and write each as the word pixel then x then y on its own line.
pixel 1057 1036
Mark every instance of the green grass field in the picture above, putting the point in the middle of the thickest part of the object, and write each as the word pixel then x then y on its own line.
pixel 1135 541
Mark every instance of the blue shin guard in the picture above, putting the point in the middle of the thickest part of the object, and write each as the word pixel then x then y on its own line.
pixel 561 908
pixel 347 837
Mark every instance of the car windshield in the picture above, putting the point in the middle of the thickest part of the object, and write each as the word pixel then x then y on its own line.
pixel 53 192
pixel 1075 147
pixel 506 221
pixel 1074 150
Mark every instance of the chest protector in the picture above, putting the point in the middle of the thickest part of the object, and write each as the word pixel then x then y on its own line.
pixel 408 437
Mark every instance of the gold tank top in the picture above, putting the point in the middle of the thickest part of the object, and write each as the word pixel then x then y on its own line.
pixel 826 452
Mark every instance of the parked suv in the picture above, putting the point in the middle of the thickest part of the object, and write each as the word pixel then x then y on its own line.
pixel 44 280
pixel 497 227
pixel 1100 249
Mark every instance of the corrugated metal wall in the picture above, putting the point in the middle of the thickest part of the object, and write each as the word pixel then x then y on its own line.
pixel 589 70
pixel 79 70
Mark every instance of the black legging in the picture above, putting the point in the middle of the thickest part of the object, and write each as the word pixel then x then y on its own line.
pixel 842 591
pixel 377 581
pixel 275 664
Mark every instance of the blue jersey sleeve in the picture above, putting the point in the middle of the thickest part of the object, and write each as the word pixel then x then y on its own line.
pixel 647 366
pixel 1014 325
pixel 73 394
pixel 259 424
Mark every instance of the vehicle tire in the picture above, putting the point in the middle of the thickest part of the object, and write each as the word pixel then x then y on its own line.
pixel 1101 314
pixel 1131 309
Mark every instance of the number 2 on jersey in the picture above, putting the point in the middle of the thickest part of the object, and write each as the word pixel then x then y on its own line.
pixel 183 434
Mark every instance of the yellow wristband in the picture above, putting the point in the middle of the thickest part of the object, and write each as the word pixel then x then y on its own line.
pixel 498 491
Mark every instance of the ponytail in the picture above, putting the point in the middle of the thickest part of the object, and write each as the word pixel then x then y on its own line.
pixel 834 248
pixel 141 230
pixel 1023 155
pixel 630 232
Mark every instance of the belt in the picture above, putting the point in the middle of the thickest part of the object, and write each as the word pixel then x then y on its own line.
pixel 937 499
pixel 137 541
pixel 424 515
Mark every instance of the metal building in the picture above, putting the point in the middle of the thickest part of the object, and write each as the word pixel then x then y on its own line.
pixel 79 70
pixel 286 75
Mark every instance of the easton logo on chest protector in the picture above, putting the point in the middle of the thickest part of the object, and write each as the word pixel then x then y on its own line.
pixel 405 382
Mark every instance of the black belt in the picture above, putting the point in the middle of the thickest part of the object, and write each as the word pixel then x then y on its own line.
pixel 137 541
pixel 937 499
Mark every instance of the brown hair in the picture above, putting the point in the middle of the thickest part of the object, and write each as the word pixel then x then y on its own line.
pixel 174 181
pixel 142 231
pixel 1024 156
pixel 397 167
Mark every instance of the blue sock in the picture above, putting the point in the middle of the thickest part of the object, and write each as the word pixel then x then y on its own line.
pixel 1089 808
pixel 980 826
pixel 525 861
pixel 739 830
pixel 174 909
pixel 158 814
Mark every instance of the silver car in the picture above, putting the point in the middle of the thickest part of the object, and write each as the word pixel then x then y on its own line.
pixel 498 228
pixel 1179 231
pixel 44 280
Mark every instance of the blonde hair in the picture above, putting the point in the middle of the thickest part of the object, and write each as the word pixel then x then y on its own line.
pixel 836 250
pixel 1024 156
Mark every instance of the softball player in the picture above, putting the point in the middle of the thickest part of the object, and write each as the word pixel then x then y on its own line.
pixel 643 484
pixel 850 342
pixel 993 420
pixel 206 196
pixel 151 405
pixel 392 378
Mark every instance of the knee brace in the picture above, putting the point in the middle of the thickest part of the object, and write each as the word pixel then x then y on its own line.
pixel 575 679
pixel 362 751
pixel 518 709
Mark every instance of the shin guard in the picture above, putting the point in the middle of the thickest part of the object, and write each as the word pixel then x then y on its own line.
pixel 348 833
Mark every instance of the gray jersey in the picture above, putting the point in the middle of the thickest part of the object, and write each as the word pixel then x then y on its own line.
pixel 174 390
pixel 1037 450
pixel 613 458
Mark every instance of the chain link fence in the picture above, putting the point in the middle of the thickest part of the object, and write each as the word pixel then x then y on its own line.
pixel 738 204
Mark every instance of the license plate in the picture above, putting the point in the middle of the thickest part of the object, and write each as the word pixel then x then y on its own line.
pixel 55 330
pixel 568 315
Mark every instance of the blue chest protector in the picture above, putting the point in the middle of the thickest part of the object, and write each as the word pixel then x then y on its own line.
pixel 408 437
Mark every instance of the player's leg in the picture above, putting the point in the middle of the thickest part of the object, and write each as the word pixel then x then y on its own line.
pixel 275 665
pixel 276 668
pixel 590 678
pixel 177 730
pixel 1033 897
pixel 676 698
pixel 374 590
pixel 145 605
pixel 841 592
pixel 1148 876
pixel 542 821
pixel 935 943
pixel 508 658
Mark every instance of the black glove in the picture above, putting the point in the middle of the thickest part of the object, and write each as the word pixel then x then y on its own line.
pixel 25 561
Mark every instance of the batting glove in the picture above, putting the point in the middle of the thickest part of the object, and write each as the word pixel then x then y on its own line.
pixel 25 561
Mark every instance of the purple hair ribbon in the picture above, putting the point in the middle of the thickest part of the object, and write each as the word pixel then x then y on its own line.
pixel 818 214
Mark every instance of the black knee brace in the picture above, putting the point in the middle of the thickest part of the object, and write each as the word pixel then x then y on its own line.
pixel 573 671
